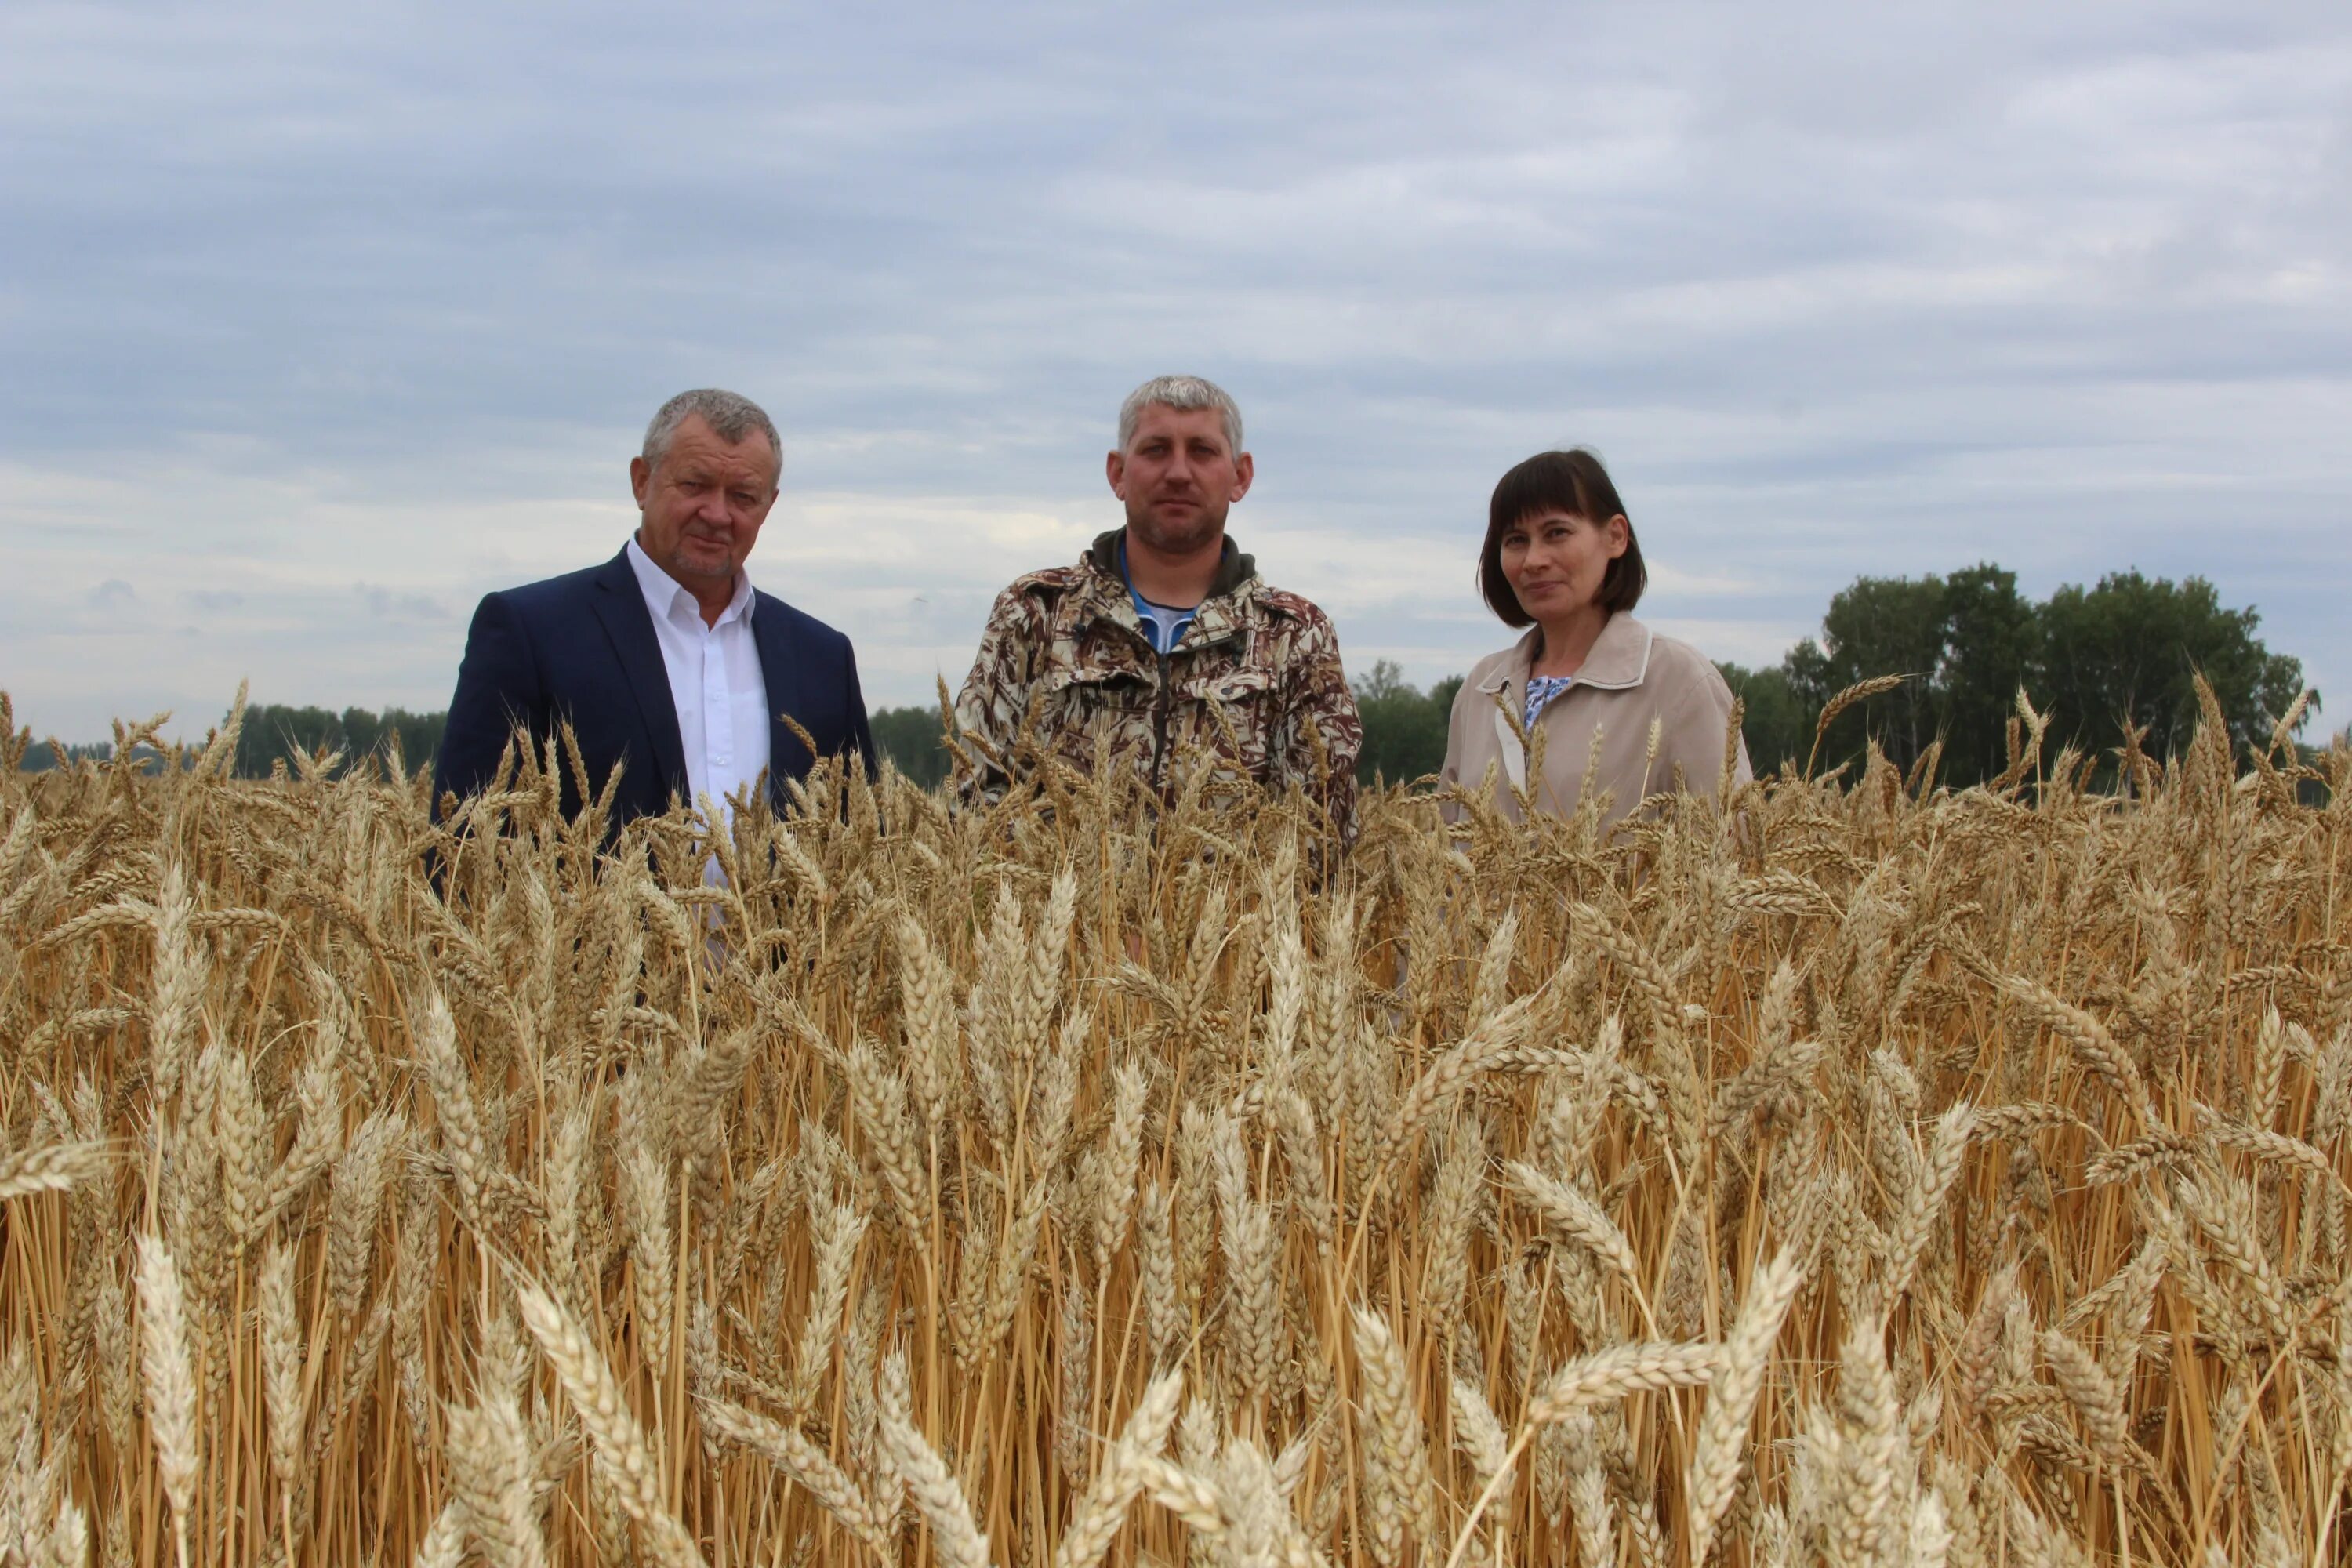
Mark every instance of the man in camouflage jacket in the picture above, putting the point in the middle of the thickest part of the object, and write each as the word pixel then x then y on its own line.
pixel 1162 649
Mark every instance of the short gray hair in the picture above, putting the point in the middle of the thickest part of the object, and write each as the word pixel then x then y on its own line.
pixel 732 417
pixel 1183 394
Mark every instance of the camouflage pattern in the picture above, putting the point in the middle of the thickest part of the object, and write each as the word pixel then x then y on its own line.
pixel 1255 687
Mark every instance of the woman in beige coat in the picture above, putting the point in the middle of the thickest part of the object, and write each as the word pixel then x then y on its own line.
pixel 1560 560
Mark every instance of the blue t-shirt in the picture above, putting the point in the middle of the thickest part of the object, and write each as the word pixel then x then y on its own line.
pixel 1163 624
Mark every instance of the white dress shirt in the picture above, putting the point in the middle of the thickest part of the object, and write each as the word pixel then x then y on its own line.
pixel 715 680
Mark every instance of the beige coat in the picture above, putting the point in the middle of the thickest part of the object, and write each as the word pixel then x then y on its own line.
pixel 1631 678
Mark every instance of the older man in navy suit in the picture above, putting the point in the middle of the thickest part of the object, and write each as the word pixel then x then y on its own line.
pixel 665 660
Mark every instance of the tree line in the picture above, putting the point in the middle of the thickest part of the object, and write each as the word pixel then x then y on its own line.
pixel 2109 661
pixel 2112 665
pixel 275 735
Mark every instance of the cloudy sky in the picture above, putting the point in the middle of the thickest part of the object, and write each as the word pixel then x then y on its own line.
pixel 318 322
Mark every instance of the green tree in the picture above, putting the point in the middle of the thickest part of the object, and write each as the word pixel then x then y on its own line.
pixel 2129 651
pixel 913 741
pixel 1404 727
pixel 275 734
pixel 1965 644
pixel 1992 634
pixel 1776 723
pixel 1875 625
pixel 41 757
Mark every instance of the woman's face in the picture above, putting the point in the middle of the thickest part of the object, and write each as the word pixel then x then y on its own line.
pixel 1555 560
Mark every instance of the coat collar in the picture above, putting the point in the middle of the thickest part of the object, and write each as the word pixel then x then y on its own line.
pixel 1233 568
pixel 1218 616
pixel 1619 659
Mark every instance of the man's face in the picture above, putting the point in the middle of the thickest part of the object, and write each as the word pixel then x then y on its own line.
pixel 700 511
pixel 1178 477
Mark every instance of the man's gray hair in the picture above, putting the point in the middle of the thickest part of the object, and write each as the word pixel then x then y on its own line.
pixel 732 417
pixel 1183 394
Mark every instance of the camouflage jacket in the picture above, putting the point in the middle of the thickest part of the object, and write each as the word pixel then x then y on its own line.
pixel 1253 688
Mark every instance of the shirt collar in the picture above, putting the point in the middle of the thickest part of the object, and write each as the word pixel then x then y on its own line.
pixel 1620 659
pixel 668 597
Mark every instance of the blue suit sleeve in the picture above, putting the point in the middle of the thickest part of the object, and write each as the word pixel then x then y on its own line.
pixel 861 732
pixel 498 688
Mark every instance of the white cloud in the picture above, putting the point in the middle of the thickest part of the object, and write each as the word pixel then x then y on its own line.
pixel 320 323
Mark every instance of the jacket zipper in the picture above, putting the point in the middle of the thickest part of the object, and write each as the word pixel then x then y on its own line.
pixel 1159 725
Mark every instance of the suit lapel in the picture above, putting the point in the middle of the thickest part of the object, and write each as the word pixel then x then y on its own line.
pixel 621 607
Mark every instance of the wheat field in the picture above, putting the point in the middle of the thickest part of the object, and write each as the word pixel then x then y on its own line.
pixel 1844 1171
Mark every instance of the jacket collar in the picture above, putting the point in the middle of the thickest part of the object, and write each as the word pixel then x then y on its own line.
pixel 1218 615
pixel 1233 568
pixel 1619 659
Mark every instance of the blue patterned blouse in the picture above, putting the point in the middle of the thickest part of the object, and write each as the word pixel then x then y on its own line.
pixel 1541 690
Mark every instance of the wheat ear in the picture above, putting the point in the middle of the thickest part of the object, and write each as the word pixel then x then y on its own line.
pixel 1623 1370
pixel 1930 1185
pixel 171 1380
pixel 1396 1457
pixel 1451 1073
pixel 1584 1222
pixel 840 1228
pixel 791 1452
pixel 354 1204
pixel 1479 1435
pixel 491 1471
pixel 443 1545
pixel 1194 1501
pixel 1722 1444
pixel 281 1364
pixel 2096 1396
pixel 1611 1373
pixel 956 1537
pixel 2091 1039
pixel 50 1168
pixel 1122 1155
pixel 880 1099
pixel 620 1444
pixel 452 1101
pixel 1122 1476
pixel 646 1189
pixel 65 1543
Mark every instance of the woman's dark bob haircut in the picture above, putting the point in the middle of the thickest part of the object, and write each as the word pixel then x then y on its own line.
pixel 1571 481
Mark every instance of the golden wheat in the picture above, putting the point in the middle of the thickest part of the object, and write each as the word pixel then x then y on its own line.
pixel 1838 1168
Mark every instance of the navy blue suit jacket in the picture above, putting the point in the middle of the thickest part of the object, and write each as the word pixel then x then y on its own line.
pixel 581 647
